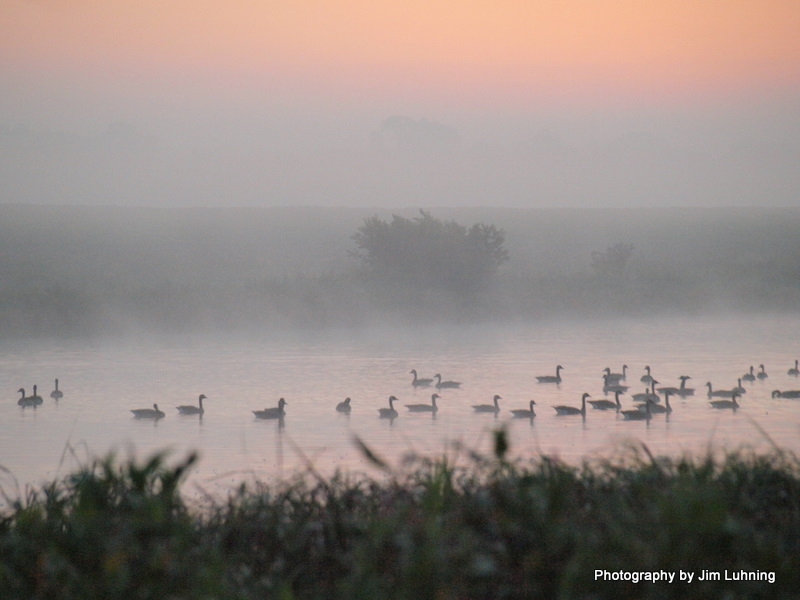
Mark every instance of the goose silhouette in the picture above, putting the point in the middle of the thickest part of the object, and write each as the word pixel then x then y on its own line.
pixel 189 409
pixel 276 412
pixel 148 413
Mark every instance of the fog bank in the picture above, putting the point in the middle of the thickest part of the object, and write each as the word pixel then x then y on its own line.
pixel 70 271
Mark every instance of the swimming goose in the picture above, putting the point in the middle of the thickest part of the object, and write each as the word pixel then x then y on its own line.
pixel 388 413
pixel 739 389
pixel 148 413
pixel 56 393
pixel 344 406
pixel 657 408
pixel 571 410
pixel 648 394
pixel 445 384
pixel 607 404
pixel 488 408
pixel 646 378
pixel 726 403
pixel 616 377
pixel 684 391
pixel 524 413
pixel 425 407
pixel 675 390
pixel 189 409
pixel 417 382
pixel 750 375
pixel 27 400
pixel 638 415
pixel 794 371
pixel 762 374
pixel 36 399
pixel 712 393
pixel 551 378
pixel 276 412
pixel 786 394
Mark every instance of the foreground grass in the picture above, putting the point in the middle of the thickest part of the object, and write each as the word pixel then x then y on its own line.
pixel 477 527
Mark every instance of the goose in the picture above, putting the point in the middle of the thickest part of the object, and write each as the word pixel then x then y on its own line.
pixel 56 393
pixel 571 410
pixel 657 408
pixel 683 391
pixel 148 413
pixel 388 413
pixel 36 399
pixel 488 408
pixel 712 393
pixel 786 394
pixel 607 404
pixel 524 413
pixel 344 406
pixel 676 391
pixel 616 377
pixel 417 382
pixel 750 375
pixel 739 389
pixel 638 415
pixel 551 378
pixel 26 400
pixel 425 407
pixel 795 371
pixel 276 412
pixel 726 403
pixel 646 378
pixel 648 394
pixel 610 386
pixel 189 409
pixel 762 374
pixel 440 385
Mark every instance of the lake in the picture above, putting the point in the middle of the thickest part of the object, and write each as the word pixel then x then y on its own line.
pixel 103 380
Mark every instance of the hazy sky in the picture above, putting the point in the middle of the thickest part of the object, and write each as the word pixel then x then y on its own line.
pixel 349 102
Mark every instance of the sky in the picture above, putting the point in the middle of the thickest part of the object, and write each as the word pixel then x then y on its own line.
pixel 538 103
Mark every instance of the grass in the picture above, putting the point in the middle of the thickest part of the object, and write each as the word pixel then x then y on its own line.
pixel 482 527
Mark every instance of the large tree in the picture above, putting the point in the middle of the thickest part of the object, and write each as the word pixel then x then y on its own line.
pixel 431 253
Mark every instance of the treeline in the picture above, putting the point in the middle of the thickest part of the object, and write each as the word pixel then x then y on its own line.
pixel 90 271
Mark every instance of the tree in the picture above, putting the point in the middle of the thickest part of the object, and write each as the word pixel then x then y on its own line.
pixel 430 253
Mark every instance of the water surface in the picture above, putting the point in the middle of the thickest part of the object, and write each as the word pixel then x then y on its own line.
pixel 102 381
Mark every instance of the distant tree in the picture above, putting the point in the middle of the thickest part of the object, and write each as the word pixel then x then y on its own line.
pixel 612 261
pixel 431 253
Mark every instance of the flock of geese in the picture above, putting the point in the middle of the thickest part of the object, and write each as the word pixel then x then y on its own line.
pixel 35 399
pixel 646 404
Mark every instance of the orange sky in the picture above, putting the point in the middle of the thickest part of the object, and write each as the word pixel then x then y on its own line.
pixel 515 48
pixel 281 101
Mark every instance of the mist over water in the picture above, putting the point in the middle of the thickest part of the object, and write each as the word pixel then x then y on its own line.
pixel 94 271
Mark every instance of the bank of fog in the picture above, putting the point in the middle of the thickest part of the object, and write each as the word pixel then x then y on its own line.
pixel 71 271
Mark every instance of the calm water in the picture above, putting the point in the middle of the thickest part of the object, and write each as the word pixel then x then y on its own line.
pixel 102 382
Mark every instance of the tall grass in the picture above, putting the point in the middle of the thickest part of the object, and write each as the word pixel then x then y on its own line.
pixel 483 527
